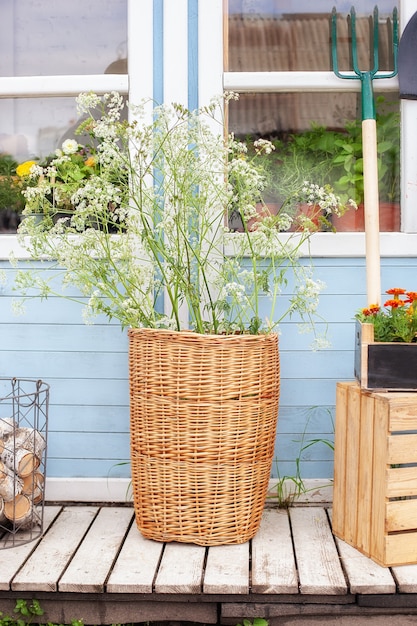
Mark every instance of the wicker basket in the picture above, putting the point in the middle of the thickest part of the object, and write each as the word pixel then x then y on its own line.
pixel 203 421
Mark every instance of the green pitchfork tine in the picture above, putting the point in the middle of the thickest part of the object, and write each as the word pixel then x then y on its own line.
pixel 369 145
pixel 368 105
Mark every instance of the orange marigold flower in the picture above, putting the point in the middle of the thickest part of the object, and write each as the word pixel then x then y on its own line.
pixel 412 295
pixel 394 303
pixel 395 291
pixel 90 162
pixel 374 308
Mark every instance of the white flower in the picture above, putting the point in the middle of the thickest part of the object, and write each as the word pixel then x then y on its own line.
pixel 87 101
pixel 70 146
pixel 161 185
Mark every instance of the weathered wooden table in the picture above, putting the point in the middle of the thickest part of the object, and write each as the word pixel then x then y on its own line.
pixel 93 564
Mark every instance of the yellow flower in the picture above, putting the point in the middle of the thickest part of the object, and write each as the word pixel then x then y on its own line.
pixel 90 162
pixel 24 168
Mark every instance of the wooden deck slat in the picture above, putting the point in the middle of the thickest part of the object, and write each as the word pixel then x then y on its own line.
pixel 227 569
pixel 181 569
pixel 364 575
pixel 273 562
pixel 406 577
pixel 136 565
pixel 13 558
pixel 90 550
pixel 318 564
pixel 42 570
pixel 90 567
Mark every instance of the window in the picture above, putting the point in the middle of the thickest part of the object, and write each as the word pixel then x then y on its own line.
pixel 67 43
pixel 279 60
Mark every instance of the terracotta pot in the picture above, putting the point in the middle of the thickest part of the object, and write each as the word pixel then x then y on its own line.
pixel 354 221
pixel 236 223
pixel 312 212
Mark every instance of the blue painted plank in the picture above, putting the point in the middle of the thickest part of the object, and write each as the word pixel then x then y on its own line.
pixel 323 364
pixel 89 468
pixel 97 419
pixel 290 447
pixel 308 419
pixel 62 338
pixel 308 392
pixel 309 469
pixel 82 446
pixel 46 364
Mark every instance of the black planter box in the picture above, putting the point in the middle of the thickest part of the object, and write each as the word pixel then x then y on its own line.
pixel 379 365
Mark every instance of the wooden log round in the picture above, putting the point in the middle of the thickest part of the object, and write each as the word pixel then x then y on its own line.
pixel 33 486
pixel 28 439
pixel 10 484
pixel 7 425
pixel 19 509
pixel 23 462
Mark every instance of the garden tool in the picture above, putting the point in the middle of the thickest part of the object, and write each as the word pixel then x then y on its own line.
pixel 369 139
pixel 407 71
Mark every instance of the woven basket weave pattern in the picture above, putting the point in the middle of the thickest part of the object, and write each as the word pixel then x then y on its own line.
pixel 203 420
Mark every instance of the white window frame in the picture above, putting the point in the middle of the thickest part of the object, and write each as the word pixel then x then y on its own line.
pixel 139 84
pixel 347 244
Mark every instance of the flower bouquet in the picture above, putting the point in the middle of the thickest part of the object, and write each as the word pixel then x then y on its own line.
pixel 170 181
pixel 61 181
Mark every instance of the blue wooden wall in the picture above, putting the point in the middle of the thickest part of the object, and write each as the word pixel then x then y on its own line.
pixel 86 367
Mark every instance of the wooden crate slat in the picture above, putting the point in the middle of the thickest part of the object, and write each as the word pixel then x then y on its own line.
pixel 40 572
pixel 91 564
pixel 401 482
pixel 403 414
pixel 365 486
pixel 352 450
pixel 181 569
pixel 339 485
pixel 318 564
pixel 227 569
pixel 273 562
pixel 402 449
pixel 14 558
pixel 401 548
pixel 379 495
pixel 401 515
pixel 136 565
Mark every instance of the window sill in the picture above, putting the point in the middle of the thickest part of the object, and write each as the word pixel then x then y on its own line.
pixel 321 245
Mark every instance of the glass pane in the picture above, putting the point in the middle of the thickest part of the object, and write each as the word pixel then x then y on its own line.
pixel 29 129
pixel 317 138
pixel 285 35
pixel 52 38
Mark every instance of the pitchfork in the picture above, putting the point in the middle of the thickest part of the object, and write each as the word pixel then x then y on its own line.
pixel 369 140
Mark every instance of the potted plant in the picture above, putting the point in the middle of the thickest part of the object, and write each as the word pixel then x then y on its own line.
pixel 202 305
pixel 12 202
pixel 386 343
pixel 59 181
pixel 347 169
pixel 334 157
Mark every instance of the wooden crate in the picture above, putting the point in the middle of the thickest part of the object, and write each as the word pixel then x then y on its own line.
pixel 384 365
pixel 375 473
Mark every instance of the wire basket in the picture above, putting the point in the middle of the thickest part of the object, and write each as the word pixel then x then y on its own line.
pixel 23 438
pixel 203 421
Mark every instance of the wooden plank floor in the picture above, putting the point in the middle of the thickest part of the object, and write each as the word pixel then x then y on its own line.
pixel 93 560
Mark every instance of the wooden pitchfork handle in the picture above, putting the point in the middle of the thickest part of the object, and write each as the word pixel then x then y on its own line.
pixel 369 144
